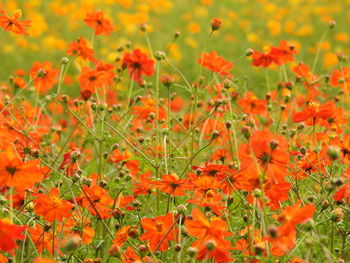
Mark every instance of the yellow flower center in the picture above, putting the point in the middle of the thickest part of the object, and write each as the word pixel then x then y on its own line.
pixel 314 105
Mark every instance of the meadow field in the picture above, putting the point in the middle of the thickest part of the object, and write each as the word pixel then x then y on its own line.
pixel 174 131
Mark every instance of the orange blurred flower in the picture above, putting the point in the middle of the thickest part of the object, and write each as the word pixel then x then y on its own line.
pixel 12 24
pixel 9 233
pixel 215 63
pixel 97 21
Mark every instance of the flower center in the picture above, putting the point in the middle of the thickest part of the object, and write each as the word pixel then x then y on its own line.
pixel 11 170
pixel 313 105
pixel 56 201
pixel 159 226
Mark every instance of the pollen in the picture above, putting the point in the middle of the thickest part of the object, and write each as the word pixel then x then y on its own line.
pixel 313 105
pixel 56 202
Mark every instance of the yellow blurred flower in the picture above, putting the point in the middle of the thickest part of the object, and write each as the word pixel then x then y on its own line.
pixel 342 37
pixel 289 26
pixel 52 42
pixel 191 42
pixel 175 52
pixel 274 27
pixel 194 27
pixel 330 59
pixel 39 25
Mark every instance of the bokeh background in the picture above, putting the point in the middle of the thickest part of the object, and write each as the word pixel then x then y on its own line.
pixel 246 24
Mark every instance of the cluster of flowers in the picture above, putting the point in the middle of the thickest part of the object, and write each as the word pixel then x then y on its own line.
pixel 230 177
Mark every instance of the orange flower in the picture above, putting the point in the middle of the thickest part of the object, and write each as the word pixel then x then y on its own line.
pixel 157 229
pixel 220 253
pixel 9 233
pixel 286 234
pixel 143 186
pixel 97 201
pixel 221 155
pixel 16 173
pixel 44 75
pixel 148 106
pixel 80 48
pixel 125 159
pixel 138 64
pixel 92 79
pixel 52 207
pixel 76 226
pixel 215 63
pixel 42 239
pixel 97 21
pixel 12 24
pixel 70 161
pixel 203 229
pixel 315 111
pixel 3 259
pixel 121 236
pixel 43 260
pixel 213 231
pixel 270 152
pixel 341 78
pixel 344 191
pixel 211 200
pixel 171 184
pixel 283 53
pixel 80 227
pixel 251 104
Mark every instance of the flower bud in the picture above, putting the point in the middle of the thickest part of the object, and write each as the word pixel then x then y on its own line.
pixel 331 24
pixel 273 231
pixel 249 52
pixel 215 24
pixel 333 152
pixel 159 55
pixel 337 215
pixel 64 60
pixel 192 252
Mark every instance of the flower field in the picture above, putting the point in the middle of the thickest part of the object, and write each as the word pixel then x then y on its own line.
pixel 174 131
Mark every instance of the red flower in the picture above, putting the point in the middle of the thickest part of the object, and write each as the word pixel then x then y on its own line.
pixel 9 233
pixel 215 63
pixel 261 59
pixel 12 24
pixel 97 21
pixel 138 64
